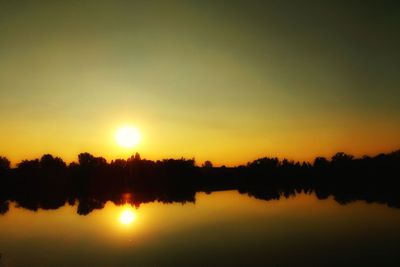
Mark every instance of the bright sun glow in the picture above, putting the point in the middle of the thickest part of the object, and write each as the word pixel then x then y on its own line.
pixel 127 216
pixel 127 136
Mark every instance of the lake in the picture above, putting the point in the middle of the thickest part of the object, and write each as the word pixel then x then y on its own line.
pixel 223 228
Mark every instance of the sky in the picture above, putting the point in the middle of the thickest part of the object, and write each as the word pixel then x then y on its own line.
pixel 226 81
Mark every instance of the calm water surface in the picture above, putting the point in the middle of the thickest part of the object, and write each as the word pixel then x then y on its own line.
pixel 220 229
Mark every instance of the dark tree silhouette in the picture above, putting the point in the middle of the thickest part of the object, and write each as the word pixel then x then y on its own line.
pixel 4 164
pixel 49 183
pixel 207 164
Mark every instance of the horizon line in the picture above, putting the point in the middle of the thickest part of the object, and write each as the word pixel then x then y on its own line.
pixel 15 164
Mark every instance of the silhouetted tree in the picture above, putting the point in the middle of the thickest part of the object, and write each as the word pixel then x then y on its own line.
pixel 4 164
pixel 48 183
pixel 52 163
pixel 137 156
pixel 207 164
pixel 87 160
pixel 320 163
pixel 342 157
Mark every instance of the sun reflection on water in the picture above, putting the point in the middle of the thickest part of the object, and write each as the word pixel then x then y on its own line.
pixel 127 216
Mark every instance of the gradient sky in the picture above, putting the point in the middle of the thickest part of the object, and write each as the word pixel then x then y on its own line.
pixel 228 81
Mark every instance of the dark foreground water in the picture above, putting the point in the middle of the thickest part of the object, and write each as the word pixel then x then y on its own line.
pixel 220 229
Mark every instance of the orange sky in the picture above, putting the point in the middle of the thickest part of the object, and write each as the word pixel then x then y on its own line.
pixel 226 83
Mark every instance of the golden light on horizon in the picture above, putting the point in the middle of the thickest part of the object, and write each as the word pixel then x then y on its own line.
pixel 127 136
pixel 127 216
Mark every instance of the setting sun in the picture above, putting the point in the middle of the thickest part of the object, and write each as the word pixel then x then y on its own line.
pixel 127 136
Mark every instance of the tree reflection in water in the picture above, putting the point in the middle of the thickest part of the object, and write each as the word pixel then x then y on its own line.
pixel 48 183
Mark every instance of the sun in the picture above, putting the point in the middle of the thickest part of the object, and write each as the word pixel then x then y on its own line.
pixel 127 136
pixel 127 217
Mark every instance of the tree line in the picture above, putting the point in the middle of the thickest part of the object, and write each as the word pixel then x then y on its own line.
pixel 49 182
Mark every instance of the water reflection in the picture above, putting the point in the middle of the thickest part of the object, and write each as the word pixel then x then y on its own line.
pixel 220 229
pixel 85 204
pixel 48 183
pixel 127 216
